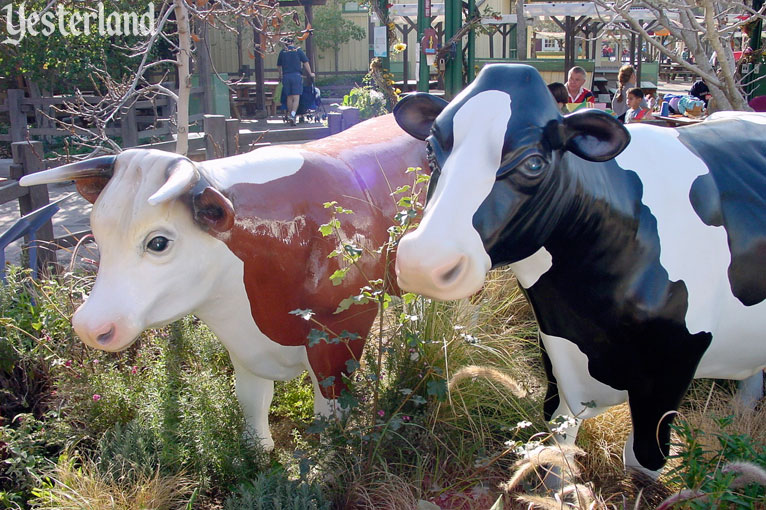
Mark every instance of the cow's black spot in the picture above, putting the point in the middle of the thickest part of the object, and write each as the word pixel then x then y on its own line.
pixel 608 293
pixel 733 194
pixel 706 200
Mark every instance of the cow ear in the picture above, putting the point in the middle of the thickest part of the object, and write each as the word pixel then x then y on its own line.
pixel 213 210
pixel 415 113
pixel 594 135
pixel 91 187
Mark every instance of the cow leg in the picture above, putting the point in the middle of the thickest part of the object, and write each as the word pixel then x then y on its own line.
pixel 325 407
pixel 649 442
pixel 255 394
pixel 750 390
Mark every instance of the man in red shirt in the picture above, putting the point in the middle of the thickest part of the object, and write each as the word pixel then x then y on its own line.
pixel 575 81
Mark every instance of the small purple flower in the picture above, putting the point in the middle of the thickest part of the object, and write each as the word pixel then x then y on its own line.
pixel 68 363
pixel 134 370
pixel 96 397
pixel 406 418
pixel 381 413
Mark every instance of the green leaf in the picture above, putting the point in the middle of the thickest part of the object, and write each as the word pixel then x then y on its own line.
pixel 315 336
pixel 327 205
pixel 344 305
pixel 351 365
pixel 409 298
pixel 337 277
pixel 413 169
pixel 347 400
pixel 401 189
pixel 345 335
pixel 405 202
pixel 422 178
pixel 304 314
pixel 418 400
pixel 353 250
pixel 319 426
pixel 327 382
pixel 437 389
pixel 329 227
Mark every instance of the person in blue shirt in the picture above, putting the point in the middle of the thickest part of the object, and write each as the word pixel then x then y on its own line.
pixel 290 63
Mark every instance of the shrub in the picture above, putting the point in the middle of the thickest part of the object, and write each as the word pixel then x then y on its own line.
pixel 274 491
pixel 370 102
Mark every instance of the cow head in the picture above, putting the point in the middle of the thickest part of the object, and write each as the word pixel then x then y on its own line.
pixel 495 152
pixel 156 263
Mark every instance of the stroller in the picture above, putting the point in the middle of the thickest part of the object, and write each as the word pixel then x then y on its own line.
pixel 309 105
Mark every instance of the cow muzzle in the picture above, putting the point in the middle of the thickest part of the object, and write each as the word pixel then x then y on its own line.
pixel 106 335
pixel 439 272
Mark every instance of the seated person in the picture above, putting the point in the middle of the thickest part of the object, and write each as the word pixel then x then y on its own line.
pixel 700 90
pixel 635 112
pixel 561 96
pixel 575 90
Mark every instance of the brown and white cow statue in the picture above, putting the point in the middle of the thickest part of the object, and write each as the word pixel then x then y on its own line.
pixel 236 242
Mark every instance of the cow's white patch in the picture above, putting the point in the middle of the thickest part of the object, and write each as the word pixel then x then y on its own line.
pixel 696 253
pixel 530 269
pixel 257 167
pixel 445 258
pixel 576 386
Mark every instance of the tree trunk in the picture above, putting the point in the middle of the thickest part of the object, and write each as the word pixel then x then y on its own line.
pixel 336 52
pixel 184 77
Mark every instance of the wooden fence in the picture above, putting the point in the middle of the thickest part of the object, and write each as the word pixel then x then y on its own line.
pixel 146 119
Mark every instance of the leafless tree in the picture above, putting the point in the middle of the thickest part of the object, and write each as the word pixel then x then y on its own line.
pixel 699 24
pixel 174 24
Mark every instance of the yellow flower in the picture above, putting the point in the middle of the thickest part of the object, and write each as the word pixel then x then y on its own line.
pixel 400 47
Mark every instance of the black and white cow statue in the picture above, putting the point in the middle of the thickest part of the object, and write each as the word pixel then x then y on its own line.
pixel 642 250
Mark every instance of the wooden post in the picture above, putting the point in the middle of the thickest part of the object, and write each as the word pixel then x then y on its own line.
pixel 232 137
pixel 260 70
pixel 215 136
pixel 27 159
pixel 129 127
pixel 17 117
pixel 204 69
pixel 308 8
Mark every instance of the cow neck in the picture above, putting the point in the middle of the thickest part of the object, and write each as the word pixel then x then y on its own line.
pixel 225 309
pixel 599 210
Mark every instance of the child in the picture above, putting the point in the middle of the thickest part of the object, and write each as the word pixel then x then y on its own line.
pixel 560 94
pixel 636 113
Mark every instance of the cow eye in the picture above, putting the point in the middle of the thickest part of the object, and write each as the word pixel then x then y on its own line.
pixel 533 165
pixel 158 244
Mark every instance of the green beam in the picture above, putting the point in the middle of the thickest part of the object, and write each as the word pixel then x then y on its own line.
pixel 471 71
pixel 453 74
pixel 423 23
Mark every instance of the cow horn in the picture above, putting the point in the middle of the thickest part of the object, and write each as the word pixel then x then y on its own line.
pixel 102 166
pixel 182 175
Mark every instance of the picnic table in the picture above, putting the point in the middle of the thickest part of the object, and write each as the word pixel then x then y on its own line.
pixel 244 96
pixel 678 120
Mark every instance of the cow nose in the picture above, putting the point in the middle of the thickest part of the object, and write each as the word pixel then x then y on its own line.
pixel 447 274
pixel 107 336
